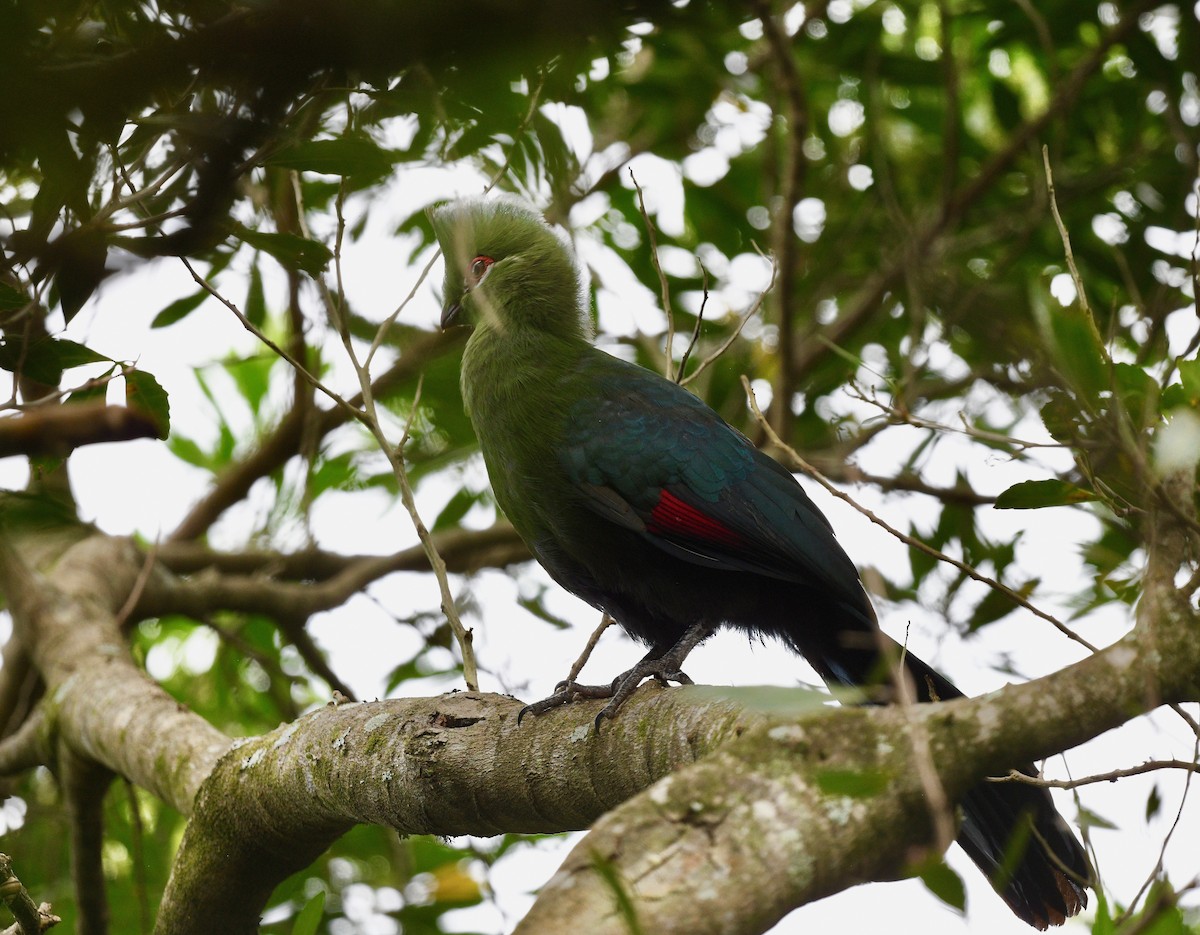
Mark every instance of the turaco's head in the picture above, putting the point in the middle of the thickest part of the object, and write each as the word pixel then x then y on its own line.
pixel 506 268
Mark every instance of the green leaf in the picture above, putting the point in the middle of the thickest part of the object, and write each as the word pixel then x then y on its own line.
pixel 187 450
pixel 144 393
pixel 1153 802
pixel 624 904
pixel 1074 343
pixel 46 359
pixel 299 253
pixel 774 700
pixel 453 512
pixel 858 784
pixel 1036 494
pixel 945 884
pixel 1187 392
pixel 256 300
pixel 535 606
pixel 996 605
pixel 252 376
pixel 178 309
pixel 1090 819
pixel 1139 393
pixel 345 156
pixel 332 473
pixel 11 299
pixel 308 918
pixel 81 268
pixel 70 354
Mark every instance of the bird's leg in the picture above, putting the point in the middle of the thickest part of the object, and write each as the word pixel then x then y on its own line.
pixel 663 665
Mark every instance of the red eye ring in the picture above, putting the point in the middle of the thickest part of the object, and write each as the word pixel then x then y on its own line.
pixel 479 269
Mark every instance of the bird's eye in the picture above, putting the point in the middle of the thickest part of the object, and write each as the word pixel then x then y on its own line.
pixel 479 270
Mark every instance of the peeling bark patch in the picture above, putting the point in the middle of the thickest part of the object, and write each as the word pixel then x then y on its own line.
pixel 441 719
pixel 842 809
pixel 787 733
pixel 1122 657
pixel 253 759
pixel 285 735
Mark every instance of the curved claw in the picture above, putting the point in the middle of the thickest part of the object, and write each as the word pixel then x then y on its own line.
pixel 664 667
pixel 565 692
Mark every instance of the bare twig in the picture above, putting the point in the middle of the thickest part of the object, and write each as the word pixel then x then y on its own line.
pixel 664 288
pixel 605 622
pixel 1156 872
pixel 683 361
pixel 17 898
pixel 904 537
pixel 139 586
pixel 792 107
pixel 939 806
pixel 370 417
pixel 728 342
pixel 258 333
pixel 1111 776
pixel 1080 293
pixel 904 417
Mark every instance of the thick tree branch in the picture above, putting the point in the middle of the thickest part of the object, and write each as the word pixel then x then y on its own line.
pixel 59 430
pixel 104 708
pixel 464 551
pixel 337 577
pixel 693 856
pixel 459 764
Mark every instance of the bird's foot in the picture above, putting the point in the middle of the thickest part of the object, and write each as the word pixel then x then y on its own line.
pixel 565 692
pixel 664 668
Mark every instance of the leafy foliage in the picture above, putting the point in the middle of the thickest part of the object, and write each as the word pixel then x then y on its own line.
pixel 890 155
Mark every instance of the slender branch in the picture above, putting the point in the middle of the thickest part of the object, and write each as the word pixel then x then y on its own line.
pixel 750 312
pixel 908 540
pixel 20 904
pixel 464 551
pixel 605 622
pixel 279 351
pixel 1080 292
pixel 370 417
pixel 1111 776
pixel 695 338
pixel 847 473
pixel 664 288
pixel 793 171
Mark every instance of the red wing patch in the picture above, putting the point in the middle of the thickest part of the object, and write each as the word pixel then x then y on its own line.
pixel 672 516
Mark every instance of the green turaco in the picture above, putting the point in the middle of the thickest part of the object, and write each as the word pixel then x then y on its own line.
pixel 637 497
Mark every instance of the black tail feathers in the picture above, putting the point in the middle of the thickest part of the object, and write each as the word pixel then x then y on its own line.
pixel 1011 830
pixel 1015 835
